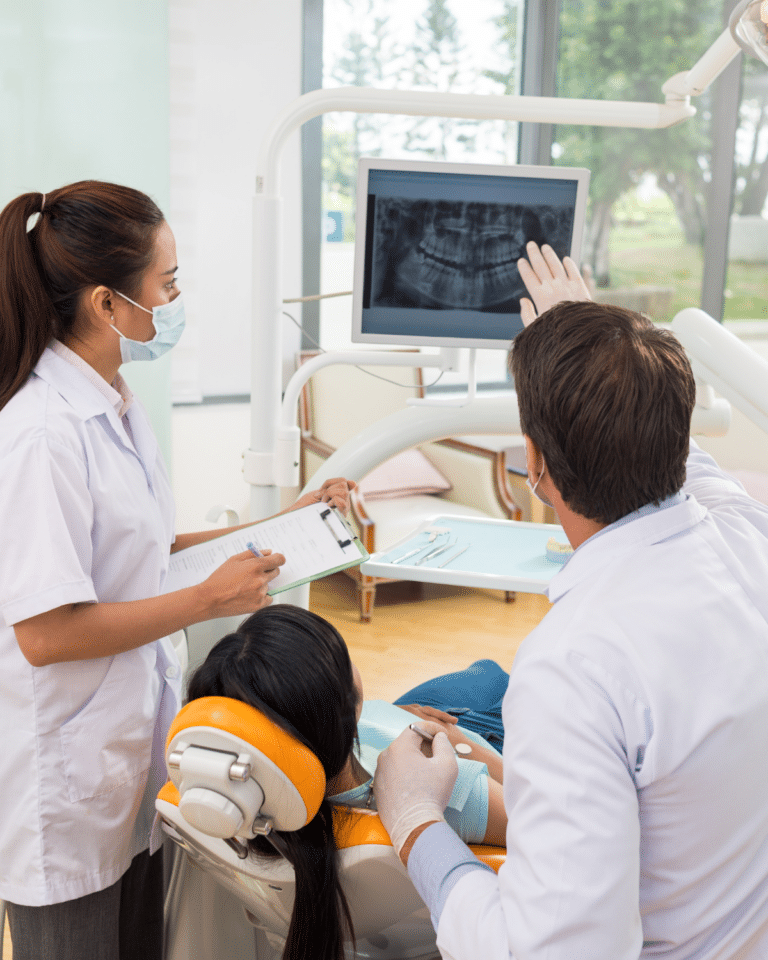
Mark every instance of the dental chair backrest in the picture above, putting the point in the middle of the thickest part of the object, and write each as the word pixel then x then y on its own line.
pixel 236 774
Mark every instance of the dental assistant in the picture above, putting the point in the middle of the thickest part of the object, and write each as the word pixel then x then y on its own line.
pixel 636 715
pixel 89 680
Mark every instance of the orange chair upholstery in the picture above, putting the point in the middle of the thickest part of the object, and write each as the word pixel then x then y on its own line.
pixel 224 754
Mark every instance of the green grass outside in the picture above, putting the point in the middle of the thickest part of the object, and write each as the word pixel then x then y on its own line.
pixel 647 247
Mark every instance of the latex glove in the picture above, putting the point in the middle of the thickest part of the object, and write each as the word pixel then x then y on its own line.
pixel 335 491
pixel 549 281
pixel 411 788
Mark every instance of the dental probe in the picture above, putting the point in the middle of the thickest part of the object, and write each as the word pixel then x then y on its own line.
pixel 412 553
pixel 462 749
pixel 406 555
pixel 434 553
pixel 453 557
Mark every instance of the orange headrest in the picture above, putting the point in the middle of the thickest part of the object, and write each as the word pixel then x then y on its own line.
pixel 219 723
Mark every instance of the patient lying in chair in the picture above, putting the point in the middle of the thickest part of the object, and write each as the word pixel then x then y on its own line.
pixel 294 667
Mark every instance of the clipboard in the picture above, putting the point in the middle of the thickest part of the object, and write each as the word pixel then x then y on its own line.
pixel 316 541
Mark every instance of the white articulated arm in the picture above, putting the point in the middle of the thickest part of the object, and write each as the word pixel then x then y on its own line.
pixel 409 427
pixel 720 359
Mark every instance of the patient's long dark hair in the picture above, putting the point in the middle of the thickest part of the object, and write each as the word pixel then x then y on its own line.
pixel 294 667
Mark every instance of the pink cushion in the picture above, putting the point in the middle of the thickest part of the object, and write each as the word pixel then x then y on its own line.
pixel 404 475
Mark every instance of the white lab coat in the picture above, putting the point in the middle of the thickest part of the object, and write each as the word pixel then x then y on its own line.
pixel 636 750
pixel 85 515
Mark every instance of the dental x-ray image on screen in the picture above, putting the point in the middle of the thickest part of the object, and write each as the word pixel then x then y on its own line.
pixel 438 246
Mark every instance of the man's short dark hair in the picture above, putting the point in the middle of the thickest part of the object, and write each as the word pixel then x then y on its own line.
pixel 607 397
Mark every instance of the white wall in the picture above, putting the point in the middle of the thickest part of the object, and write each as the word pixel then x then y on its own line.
pixel 84 95
pixel 234 64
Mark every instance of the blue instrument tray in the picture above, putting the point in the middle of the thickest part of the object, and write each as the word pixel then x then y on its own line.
pixel 502 555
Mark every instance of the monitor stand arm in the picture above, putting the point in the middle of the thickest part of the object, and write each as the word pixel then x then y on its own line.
pixel 455 401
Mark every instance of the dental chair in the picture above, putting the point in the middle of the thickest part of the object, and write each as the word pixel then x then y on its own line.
pixel 234 775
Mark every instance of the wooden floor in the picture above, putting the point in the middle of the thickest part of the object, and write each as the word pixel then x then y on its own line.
pixel 419 631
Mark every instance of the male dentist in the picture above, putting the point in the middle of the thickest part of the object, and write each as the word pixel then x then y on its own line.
pixel 636 717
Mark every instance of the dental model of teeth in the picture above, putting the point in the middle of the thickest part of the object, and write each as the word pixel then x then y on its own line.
pixel 558 552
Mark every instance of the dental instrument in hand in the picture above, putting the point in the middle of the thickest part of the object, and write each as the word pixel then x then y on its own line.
pixel 435 553
pixel 453 557
pixel 462 749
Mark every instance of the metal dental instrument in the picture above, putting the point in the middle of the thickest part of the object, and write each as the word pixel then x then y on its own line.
pixel 413 553
pixel 461 749
pixel 405 556
pixel 435 553
pixel 453 557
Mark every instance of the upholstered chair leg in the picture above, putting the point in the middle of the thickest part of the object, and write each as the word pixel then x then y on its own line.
pixel 367 588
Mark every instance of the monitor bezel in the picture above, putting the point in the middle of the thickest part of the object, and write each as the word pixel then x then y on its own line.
pixel 580 174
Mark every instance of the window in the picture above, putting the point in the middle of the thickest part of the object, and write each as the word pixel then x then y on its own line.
pixel 660 200
pixel 464 46
pixel 658 196
pixel 746 290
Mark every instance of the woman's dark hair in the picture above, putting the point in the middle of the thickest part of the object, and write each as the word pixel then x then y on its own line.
pixel 294 667
pixel 607 397
pixel 87 234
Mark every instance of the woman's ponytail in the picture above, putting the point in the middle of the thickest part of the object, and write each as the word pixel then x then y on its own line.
pixel 87 233
pixel 321 921
pixel 27 317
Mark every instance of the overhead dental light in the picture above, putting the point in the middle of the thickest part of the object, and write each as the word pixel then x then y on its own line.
pixel 749 27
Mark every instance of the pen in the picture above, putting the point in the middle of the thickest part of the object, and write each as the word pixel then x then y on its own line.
pixel 254 549
pixel 460 748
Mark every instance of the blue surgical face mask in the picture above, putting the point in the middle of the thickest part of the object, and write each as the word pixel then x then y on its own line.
pixel 169 321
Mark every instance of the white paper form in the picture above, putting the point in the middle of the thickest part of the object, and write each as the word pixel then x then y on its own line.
pixel 313 539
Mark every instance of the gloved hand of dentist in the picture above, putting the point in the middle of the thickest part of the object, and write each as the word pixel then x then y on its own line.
pixel 413 784
pixel 549 280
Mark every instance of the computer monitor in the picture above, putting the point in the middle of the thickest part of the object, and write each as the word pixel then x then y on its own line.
pixel 437 245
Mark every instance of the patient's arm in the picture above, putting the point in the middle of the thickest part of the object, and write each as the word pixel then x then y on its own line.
pixel 496 831
pixel 455 734
pixel 496 827
pixel 428 713
pixel 486 755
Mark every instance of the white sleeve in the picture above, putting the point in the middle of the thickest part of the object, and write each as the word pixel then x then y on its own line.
pixel 46 515
pixel 706 481
pixel 570 884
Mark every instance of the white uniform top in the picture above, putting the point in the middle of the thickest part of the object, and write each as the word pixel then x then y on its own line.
pixel 636 750
pixel 86 515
